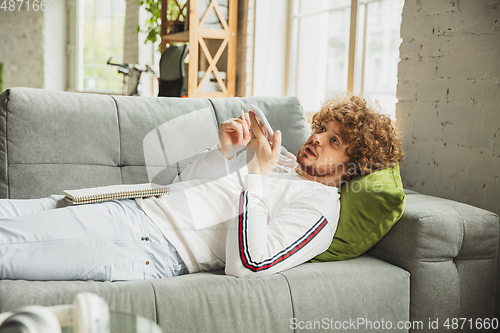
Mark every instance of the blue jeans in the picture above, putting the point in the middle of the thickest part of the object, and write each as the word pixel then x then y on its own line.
pixel 44 239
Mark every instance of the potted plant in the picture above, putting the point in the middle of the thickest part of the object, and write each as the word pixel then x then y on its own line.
pixel 152 26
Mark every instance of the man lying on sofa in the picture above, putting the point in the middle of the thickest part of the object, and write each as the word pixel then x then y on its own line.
pixel 254 213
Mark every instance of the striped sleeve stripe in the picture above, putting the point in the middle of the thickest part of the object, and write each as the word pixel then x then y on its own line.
pixel 280 256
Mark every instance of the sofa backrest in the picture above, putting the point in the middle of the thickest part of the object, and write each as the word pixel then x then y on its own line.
pixel 52 140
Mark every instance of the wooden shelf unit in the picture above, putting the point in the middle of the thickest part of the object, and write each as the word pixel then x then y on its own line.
pixel 196 36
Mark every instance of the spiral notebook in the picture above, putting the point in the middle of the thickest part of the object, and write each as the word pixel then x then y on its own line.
pixel 114 192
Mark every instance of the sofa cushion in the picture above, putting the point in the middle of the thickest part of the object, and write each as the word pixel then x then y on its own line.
pixel 153 129
pixel 450 249
pixel 234 305
pixel 338 293
pixel 135 297
pixel 369 206
pixel 54 140
pixel 150 139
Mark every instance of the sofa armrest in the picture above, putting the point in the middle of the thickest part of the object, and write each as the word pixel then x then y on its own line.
pixel 450 250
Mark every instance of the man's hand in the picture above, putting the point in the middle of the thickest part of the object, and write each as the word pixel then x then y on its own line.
pixel 261 156
pixel 234 134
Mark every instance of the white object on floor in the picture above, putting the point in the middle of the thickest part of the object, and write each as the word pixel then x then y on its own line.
pixel 89 313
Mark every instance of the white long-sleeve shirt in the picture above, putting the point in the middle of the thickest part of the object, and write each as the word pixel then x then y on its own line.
pixel 219 216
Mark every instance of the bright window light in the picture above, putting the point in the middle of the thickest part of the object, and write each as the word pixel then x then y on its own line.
pixel 320 61
pixel 101 37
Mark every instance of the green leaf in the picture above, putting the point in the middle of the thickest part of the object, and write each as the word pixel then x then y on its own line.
pixel 152 24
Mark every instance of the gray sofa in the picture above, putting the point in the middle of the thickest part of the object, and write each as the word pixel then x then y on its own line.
pixel 438 262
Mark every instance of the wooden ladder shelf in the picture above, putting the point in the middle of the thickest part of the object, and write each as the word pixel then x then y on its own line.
pixel 198 37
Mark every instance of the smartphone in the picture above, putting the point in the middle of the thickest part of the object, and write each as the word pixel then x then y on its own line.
pixel 264 124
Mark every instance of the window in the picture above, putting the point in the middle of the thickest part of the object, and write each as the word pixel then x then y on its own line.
pixel 322 63
pixel 100 36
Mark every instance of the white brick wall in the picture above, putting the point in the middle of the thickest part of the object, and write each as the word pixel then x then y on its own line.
pixel 449 100
pixel 33 46
pixel 22 51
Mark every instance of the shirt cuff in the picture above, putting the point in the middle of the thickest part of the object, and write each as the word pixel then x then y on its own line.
pixel 257 184
pixel 215 159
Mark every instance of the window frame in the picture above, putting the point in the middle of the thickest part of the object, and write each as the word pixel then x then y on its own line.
pixel 75 34
pixel 357 43
pixel 74 48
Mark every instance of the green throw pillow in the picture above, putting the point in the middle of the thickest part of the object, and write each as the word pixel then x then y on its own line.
pixel 369 207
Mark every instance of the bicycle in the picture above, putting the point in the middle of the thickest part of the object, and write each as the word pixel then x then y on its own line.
pixel 131 76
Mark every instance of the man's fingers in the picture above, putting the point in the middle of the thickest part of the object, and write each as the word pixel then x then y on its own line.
pixel 235 126
pixel 240 133
pixel 250 128
pixel 248 122
pixel 276 143
pixel 254 125
pixel 247 118
pixel 242 127
pixel 246 128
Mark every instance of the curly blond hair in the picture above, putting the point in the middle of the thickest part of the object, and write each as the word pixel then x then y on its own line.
pixel 372 140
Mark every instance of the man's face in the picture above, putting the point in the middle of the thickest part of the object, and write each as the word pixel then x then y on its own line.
pixel 324 153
